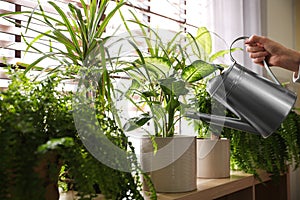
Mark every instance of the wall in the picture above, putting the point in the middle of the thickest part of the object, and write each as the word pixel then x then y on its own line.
pixel 297 23
pixel 282 23
pixel 278 25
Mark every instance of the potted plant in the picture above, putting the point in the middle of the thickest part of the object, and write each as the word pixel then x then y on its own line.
pixel 159 86
pixel 156 92
pixel 81 35
pixel 213 149
pixel 35 130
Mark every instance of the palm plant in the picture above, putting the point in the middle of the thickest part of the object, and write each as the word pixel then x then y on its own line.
pixel 78 31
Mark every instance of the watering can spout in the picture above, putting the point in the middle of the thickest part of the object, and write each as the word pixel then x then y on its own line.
pixel 228 122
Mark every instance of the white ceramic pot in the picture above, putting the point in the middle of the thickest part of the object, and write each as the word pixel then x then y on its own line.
pixel 173 167
pixel 213 158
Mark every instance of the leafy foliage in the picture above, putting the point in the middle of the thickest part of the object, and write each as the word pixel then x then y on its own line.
pixel 161 76
pixel 203 104
pixel 112 182
pixel 274 154
pixel 199 72
pixel 77 31
pixel 37 124
pixel 32 115
pixel 78 34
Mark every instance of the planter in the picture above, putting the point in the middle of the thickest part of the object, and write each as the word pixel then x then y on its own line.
pixel 173 167
pixel 213 158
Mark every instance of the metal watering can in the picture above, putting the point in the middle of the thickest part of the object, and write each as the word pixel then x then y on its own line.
pixel 260 104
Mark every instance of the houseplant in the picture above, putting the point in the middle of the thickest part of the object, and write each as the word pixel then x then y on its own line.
pixel 46 135
pixel 34 116
pixel 159 85
pixel 155 91
pixel 81 36
pixel 213 150
pixel 169 67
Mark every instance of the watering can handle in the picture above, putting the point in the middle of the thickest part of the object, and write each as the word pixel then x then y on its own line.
pixel 264 62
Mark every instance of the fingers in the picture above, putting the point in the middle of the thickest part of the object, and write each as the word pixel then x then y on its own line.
pixel 259 60
pixel 253 49
pixel 258 56
pixel 254 40
pixel 254 45
pixel 256 50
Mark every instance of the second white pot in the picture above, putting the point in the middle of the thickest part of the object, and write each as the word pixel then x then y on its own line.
pixel 213 158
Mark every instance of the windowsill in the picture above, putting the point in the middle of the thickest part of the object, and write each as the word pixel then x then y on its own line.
pixel 209 189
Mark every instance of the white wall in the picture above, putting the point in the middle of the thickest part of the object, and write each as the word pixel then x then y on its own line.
pixel 280 25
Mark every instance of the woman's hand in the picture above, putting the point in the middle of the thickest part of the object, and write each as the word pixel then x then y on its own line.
pixel 262 48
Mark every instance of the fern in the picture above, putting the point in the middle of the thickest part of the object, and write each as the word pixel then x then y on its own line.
pixel 252 153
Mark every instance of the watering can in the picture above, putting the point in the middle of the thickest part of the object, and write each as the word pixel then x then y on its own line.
pixel 260 104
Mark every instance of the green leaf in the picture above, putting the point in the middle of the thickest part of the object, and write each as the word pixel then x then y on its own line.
pixel 203 38
pixel 148 94
pixel 173 104
pixel 222 53
pixel 56 143
pixel 198 70
pixel 100 14
pixel 172 86
pixel 134 85
pixel 136 122
pixel 157 65
pixel 34 63
pixel 68 26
